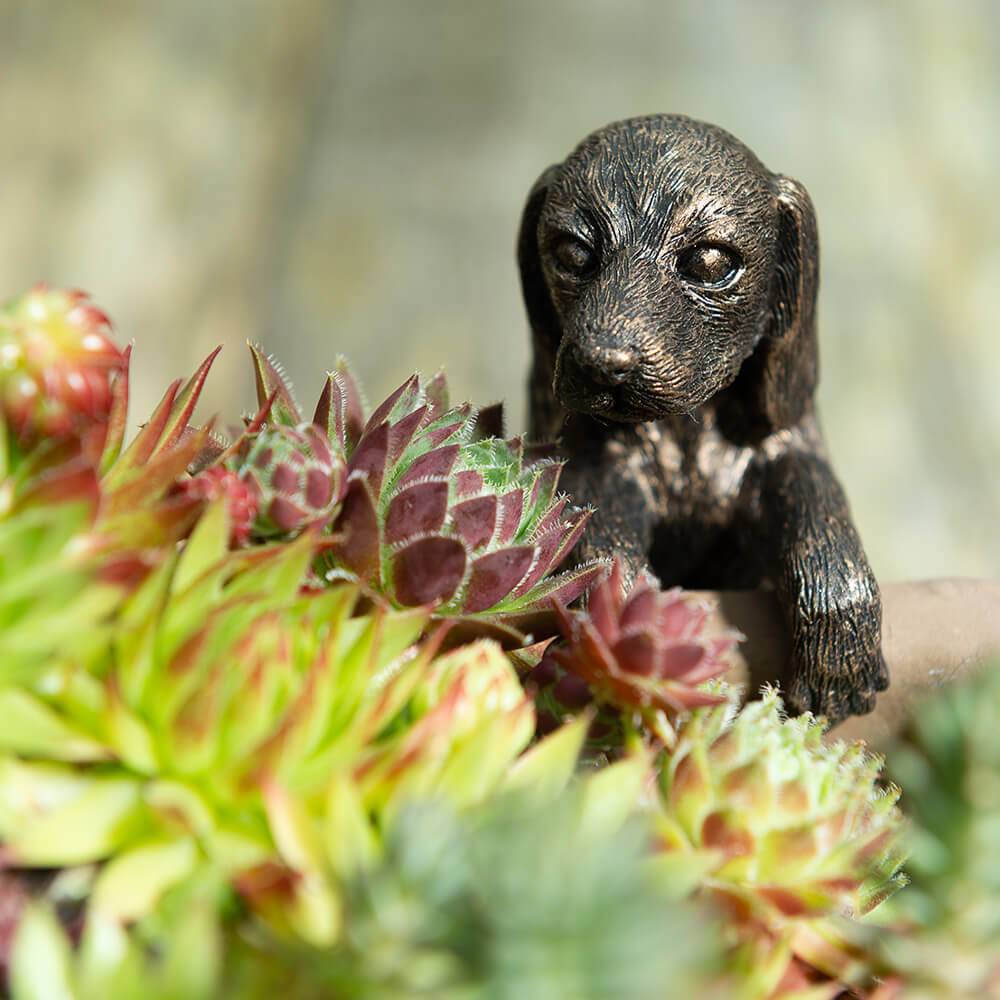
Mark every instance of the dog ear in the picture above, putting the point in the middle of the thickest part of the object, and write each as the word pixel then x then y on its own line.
pixel 541 314
pixel 783 369
pixel 546 331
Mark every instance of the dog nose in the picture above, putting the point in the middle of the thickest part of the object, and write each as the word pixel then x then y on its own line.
pixel 618 365
pixel 605 366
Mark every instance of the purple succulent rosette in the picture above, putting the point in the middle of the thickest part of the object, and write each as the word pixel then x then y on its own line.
pixel 431 515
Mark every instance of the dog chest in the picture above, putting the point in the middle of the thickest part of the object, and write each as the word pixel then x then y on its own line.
pixel 701 474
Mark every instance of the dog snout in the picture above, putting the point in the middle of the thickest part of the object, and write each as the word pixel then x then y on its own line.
pixel 604 366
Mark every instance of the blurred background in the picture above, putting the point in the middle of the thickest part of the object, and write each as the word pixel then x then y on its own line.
pixel 347 177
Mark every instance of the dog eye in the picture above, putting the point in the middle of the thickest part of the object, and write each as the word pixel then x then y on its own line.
pixel 708 264
pixel 573 257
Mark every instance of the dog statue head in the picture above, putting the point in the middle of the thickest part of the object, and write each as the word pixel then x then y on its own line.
pixel 661 263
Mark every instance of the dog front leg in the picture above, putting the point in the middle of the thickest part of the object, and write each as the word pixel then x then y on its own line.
pixel 826 589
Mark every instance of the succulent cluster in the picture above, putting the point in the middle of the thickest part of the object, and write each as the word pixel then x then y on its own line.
pixel 510 899
pixel 259 739
pixel 416 504
pixel 203 730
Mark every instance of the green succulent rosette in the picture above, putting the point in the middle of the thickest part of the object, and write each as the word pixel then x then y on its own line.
pixel 790 834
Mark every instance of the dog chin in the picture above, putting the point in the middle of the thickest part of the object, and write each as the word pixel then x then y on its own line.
pixel 616 407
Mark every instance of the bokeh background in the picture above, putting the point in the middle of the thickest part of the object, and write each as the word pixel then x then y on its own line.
pixel 347 177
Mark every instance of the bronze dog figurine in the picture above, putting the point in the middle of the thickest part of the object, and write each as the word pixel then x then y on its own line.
pixel 670 280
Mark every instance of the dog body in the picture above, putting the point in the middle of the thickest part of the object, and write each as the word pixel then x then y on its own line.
pixel 670 280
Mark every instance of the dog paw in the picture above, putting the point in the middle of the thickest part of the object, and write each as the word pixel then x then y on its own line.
pixel 838 666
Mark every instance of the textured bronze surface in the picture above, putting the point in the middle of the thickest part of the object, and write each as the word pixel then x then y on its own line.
pixel 935 633
pixel 670 280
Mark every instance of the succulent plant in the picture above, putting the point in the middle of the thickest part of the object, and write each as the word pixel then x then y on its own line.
pixel 144 499
pixel 643 651
pixel 428 514
pixel 518 900
pixel 945 939
pixel 293 477
pixel 57 364
pixel 461 525
pixel 790 833
pixel 215 714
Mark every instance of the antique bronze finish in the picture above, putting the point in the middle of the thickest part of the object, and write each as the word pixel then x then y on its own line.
pixel 670 280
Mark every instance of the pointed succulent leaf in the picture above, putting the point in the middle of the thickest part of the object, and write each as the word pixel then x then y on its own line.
pixel 369 458
pixel 428 570
pixel 129 886
pixel 273 389
pixel 155 477
pixel 129 735
pixel 348 835
pixel 612 794
pixel 495 575
pixel 118 415
pixel 41 965
pixel 398 403
pixel 402 431
pixel 511 509
pixel 33 729
pixel 419 510
pixel 180 808
pixel 296 836
pixel 358 531
pixel 273 573
pixel 437 463
pixel 178 420
pixel 475 521
pixel 144 443
pixel 52 604
pixel 204 549
pixel 489 421
pixel 62 477
pixel 563 588
pixel 103 816
pixel 340 410
pixel 313 909
pixel 436 394
pixel 543 551
pixel 165 428
pixel 472 774
pixel 546 769
pixel 452 427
